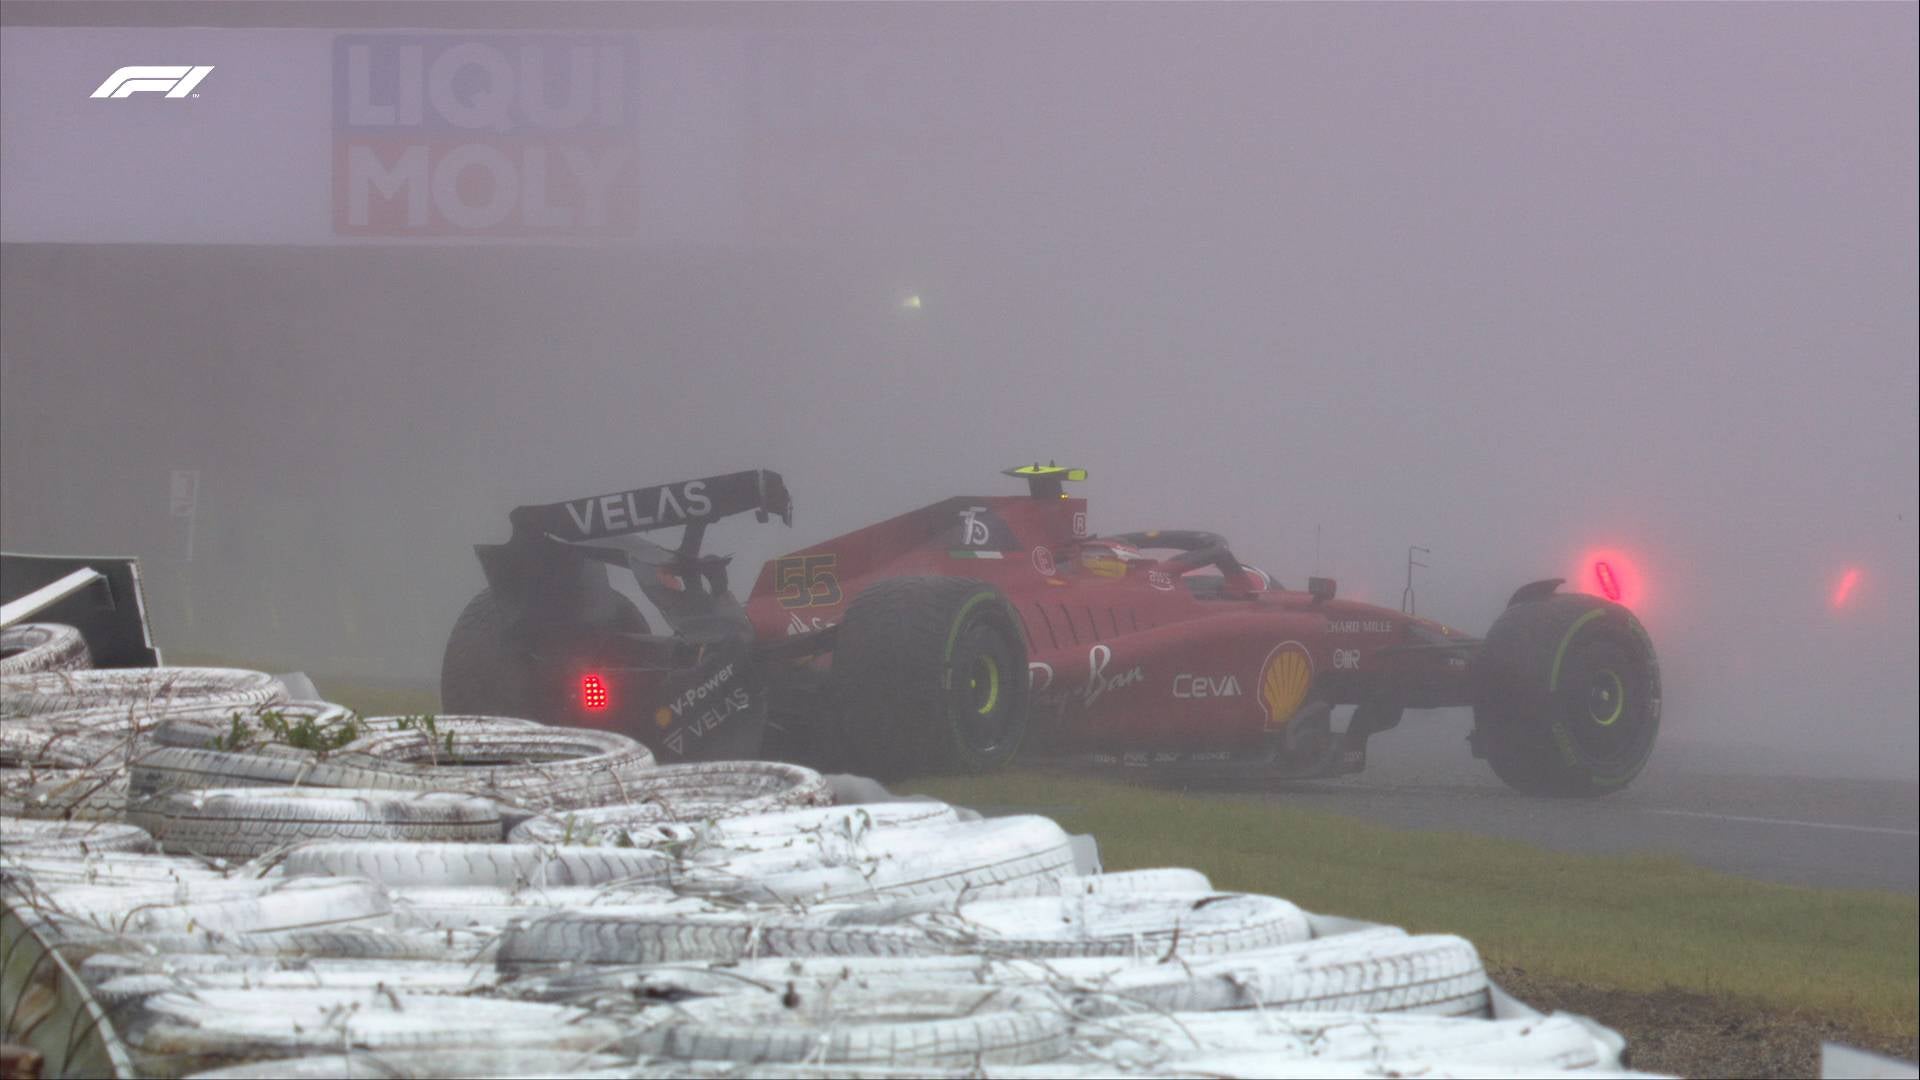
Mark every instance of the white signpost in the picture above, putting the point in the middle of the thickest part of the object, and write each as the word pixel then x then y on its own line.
pixel 183 499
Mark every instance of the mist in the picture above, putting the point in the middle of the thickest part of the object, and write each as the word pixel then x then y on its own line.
pixel 1511 283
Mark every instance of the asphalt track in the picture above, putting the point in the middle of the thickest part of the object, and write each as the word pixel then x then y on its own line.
pixel 1711 806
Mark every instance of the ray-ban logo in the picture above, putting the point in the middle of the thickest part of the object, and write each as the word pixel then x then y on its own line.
pixel 174 82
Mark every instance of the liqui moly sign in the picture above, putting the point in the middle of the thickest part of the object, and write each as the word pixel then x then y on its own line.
pixel 484 135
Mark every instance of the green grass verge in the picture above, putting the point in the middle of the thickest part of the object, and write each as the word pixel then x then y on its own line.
pixel 1638 923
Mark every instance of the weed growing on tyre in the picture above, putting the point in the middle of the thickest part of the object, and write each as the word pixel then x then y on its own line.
pixel 302 733
pixel 428 725
pixel 237 737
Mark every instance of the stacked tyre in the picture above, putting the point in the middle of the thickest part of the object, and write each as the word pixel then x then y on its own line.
pixel 288 889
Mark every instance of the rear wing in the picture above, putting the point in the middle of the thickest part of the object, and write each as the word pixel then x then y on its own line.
pixel 551 554
pixel 694 503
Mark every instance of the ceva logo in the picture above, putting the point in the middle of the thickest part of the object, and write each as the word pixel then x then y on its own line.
pixel 174 82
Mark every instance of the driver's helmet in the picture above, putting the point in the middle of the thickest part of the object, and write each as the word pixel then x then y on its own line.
pixel 1108 558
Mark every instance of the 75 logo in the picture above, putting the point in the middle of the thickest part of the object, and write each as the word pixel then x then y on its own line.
pixel 805 581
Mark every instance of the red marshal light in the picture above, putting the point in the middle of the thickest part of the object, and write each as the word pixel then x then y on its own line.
pixel 1845 588
pixel 1604 577
pixel 1613 573
pixel 593 693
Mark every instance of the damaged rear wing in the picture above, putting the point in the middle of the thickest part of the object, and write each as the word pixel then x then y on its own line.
pixel 693 503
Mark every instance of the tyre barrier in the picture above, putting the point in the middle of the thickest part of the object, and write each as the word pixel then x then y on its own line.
pixel 281 888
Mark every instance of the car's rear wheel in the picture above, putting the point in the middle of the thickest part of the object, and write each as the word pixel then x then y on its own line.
pixel 486 671
pixel 1568 697
pixel 930 675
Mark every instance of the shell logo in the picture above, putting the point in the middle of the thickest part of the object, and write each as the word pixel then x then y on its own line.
pixel 1285 677
pixel 663 716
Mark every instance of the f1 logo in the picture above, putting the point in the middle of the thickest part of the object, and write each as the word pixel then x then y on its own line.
pixel 174 82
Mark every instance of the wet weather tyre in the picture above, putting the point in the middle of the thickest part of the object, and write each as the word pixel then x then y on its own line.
pixel 1567 697
pixel 481 671
pixel 930 675
pixel 484 671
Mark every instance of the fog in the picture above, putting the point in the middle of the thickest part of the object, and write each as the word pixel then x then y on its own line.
pixel 1511 283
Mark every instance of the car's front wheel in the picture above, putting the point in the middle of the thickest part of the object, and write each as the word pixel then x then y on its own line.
pixel 1568 697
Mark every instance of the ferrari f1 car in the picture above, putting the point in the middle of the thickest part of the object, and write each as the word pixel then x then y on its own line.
pixel 962 634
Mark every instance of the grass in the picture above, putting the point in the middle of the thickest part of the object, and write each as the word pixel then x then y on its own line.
pixel 1635 923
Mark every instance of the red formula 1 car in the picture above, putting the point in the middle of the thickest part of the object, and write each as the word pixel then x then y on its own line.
pixel 962 634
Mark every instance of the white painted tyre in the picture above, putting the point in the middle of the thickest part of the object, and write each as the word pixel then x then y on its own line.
pixel 934 860
pixel 244 822
pixel 356 942
pixel 34 743
pixel 56 870
pixel 35 647
pixel 495 910
pixel 172 769
pixel 1166 879
pixel 497 865
pixel 537 767
pixel 253 1023
pixel 1545 1043
pixel 1148 926
pixel 227 727
pixel 1364 972
pixel 904 1026
pixel 91 794
pixel 450 1064
pixel 20 836
pixel 229 906
pixel 375 727
pixel 1143 928
pixel 811 826
pixel 588 936
pixel 123 697
pixel 423 977
pixel 693 792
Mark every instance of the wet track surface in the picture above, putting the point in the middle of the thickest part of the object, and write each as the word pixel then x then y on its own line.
pixel 1704 804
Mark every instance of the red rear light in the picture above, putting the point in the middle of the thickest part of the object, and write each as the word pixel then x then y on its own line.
pixel 1845 588
pixel 593 693
pixel 1609 585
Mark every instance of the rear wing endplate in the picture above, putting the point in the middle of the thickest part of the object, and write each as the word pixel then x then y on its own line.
pixel 689 502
